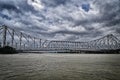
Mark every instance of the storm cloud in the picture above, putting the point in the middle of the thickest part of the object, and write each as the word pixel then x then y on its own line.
pixel 62 19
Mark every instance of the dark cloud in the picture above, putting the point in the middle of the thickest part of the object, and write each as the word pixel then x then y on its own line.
pixel 112 16
pixel 7 6
pixel 118 30
pixel 5 16
pixel 54 3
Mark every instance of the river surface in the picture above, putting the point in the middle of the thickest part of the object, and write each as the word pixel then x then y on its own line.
pixel 60 67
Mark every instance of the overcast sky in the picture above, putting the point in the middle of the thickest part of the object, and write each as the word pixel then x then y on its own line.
pixel 62 19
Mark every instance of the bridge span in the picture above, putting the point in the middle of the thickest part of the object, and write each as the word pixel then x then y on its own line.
pixel 27 43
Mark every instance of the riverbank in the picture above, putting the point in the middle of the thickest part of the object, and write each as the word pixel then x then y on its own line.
pixel 7 50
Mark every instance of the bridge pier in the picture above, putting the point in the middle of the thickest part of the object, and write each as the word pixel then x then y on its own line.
pixel 4 35
pixel 12 37
pixel 40 43
pixel 21 40
pixel 34 42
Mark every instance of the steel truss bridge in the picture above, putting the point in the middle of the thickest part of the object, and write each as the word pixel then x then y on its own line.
pixel 25 42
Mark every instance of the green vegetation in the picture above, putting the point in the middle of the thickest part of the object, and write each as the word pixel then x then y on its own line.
pixel 8 50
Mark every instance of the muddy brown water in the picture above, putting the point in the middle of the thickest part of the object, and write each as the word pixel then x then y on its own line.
pixel 60 67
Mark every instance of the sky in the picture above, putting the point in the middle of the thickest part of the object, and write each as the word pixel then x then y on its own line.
pixel 76 20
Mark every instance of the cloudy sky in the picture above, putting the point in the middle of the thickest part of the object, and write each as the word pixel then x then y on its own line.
pixel 62 19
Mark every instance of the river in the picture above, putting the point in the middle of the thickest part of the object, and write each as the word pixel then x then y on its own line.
pixel 60 66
